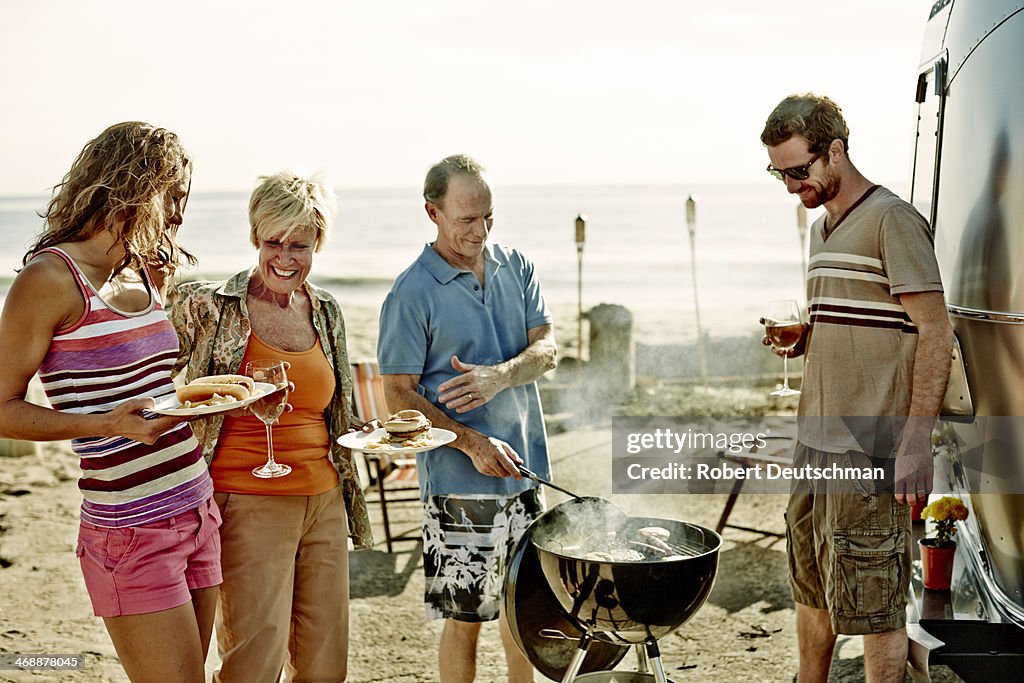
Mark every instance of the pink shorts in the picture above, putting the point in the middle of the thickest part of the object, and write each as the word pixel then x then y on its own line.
pixel 152 567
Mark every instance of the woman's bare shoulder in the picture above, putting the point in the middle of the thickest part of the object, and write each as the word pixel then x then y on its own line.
pixel 46 286
pixel 46 270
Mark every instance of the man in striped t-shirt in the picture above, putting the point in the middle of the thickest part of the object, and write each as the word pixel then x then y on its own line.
pixel 876 351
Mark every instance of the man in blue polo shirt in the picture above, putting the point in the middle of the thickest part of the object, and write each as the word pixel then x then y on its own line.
pixel 464 335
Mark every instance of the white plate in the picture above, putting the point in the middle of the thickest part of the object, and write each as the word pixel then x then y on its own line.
pixel 170 405
pixel 359 441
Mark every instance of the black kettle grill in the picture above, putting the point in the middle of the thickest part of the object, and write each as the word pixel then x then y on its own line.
pixel 575 617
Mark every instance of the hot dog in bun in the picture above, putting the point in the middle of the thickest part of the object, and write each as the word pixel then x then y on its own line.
pixel 405 425
pixel 215 390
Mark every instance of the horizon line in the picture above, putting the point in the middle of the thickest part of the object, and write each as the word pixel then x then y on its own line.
pixel 567 185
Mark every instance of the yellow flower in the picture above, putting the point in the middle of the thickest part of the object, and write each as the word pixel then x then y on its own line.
pixel 945 508
pixel 945 511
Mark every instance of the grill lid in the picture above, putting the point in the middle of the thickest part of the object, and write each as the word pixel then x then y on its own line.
pixel 539 626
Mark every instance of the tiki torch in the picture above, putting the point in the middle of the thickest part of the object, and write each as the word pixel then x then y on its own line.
pixel 691 224
pixel 801 226
pixel 581 238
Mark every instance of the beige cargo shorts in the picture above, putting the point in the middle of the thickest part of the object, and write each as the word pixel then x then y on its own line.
pixel 849 549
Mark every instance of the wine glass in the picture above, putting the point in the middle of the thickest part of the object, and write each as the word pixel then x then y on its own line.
pixel 783 328
pixel 268 408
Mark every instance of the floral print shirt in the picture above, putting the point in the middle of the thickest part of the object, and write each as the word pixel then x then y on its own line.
pixel 212 322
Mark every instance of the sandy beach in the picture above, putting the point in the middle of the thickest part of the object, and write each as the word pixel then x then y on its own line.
pixel 744 632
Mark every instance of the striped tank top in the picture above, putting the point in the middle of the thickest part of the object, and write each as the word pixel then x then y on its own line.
pixel 104 359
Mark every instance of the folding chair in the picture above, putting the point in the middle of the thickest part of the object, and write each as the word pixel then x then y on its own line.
pixel 779 452
pixel 394 478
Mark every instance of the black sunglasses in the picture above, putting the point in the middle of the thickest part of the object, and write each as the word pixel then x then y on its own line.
pixel 795 172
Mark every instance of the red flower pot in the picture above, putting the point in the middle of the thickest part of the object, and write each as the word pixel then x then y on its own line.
pixel 915 510
pixel 936 564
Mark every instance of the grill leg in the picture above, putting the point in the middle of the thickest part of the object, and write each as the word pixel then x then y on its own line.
pixel 577 659
pixel 654 656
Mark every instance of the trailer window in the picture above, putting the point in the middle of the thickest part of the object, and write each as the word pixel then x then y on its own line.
pixel 923 182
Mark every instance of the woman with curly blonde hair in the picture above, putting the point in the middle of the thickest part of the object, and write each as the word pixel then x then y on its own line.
pixel 86 313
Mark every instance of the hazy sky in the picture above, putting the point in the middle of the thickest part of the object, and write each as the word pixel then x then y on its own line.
pixel 541 91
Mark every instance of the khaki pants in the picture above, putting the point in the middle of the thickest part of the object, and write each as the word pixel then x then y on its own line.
pixel 284 600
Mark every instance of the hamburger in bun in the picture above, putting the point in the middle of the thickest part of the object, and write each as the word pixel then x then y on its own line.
pixel 406 425
pixel 215 390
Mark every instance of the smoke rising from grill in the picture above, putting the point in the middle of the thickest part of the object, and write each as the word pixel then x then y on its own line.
pixel 594 529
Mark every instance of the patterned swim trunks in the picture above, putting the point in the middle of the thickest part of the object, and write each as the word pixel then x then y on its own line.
pixel 466 544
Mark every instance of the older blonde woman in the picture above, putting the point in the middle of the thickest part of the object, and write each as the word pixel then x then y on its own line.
pixel 284 600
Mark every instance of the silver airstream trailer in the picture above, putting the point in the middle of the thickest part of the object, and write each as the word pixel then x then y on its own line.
pixel 968 178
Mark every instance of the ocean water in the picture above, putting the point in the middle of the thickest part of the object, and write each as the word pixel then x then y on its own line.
pixel 637 251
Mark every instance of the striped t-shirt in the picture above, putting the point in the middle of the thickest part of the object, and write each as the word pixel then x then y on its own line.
pixel 860 357
pixel 104 359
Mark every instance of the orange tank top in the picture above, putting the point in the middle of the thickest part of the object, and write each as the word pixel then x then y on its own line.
pixel 300 437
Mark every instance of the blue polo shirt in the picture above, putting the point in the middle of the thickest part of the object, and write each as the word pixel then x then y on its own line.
pixel 435 311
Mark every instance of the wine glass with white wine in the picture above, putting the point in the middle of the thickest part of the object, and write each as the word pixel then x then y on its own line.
pixel 268 408
pixel 783 328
